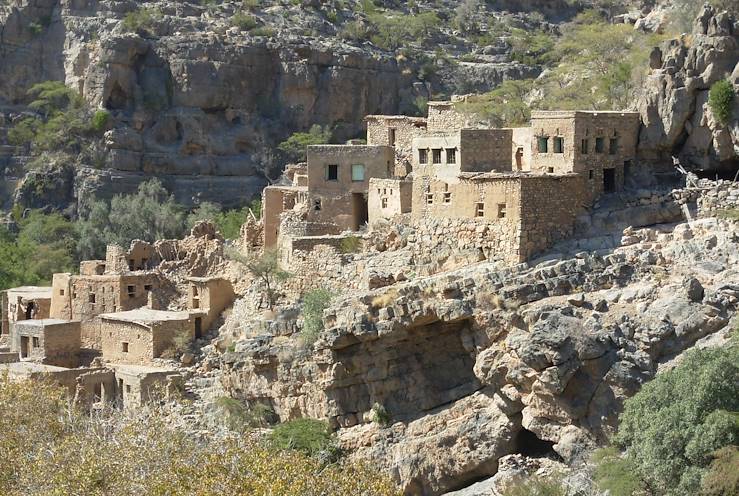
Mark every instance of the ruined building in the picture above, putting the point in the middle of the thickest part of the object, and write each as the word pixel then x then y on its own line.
pixel 522 188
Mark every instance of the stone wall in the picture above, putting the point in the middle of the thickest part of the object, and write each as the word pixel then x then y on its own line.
pixel 114 333
pixel 442 116
pixel 389 198
pixel 484 150
pixel 717 196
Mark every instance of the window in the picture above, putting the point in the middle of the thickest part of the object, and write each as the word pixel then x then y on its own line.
pixel 130 265
pixel 559 145
pixel 36 342
pixel 550 170
pixel 590 174
pixel 479 209
pixel 584 147
pixel 143 262
pixel 451 155
pixel 384 203
pixel 332 172
pixel 92 297
pixel 61 292
pixel 357 172
pixel 599 145
pixel 131 291
pixel 501 210
pixel 613 146
pixel 147 287
pixel 542 144
pixel 447 198
pixel 391 136
pixel 423 156
pixel 317 205
pixel 436 155
pixel 429 198
pixel 128 388
pixel 124 347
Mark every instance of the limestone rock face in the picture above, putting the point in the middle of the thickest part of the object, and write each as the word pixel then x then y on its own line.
pixel 480 362
pixel 674 107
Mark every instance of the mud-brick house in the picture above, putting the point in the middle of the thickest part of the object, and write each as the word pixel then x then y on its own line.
pixel 48 341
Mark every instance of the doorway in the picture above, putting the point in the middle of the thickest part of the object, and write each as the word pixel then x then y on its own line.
pixel 609 180
pixel 360 213
pixel 198 327
pixel 29 310
pixel 24 346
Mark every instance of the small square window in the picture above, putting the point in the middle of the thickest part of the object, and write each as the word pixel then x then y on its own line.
pixel 451 155
pixel 543 144
pixel 559 145
pixel 423 156
pixel 124 347
pixel 61 292
pixel 584 147
pixel 479 209
pixel 147 287
pixel 384 203
pixel 91 297
pixel 550 170
pixel 591 173
pixel 357 172
pixel 447 197
pixel 332 172
pixel 429 198
pixel 128 388
pixel 131 291
pixel 501 210
pixel 599 144
pixel 317 205
pixel 436 155
pixel 36 342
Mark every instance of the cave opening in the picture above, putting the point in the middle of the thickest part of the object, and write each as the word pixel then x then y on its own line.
pixel 529 445
pixel 117 100
pixel 729 171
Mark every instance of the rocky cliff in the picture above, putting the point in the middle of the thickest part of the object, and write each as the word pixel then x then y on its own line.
pixel 677 118
pixel 477 363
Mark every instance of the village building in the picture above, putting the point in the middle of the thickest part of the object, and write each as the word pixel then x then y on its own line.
pixel 389 199
pixel 208 297
pixel 137 385
pixel 48 341
pixel 23 303
pixel 139 336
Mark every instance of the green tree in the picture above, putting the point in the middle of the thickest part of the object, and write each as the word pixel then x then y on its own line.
pixel 670 428
pixel 721 100
pixel 314 303
pixel 295 146
pixel 503 106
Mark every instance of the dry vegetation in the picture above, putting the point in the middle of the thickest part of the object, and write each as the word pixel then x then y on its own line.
pixel 50 448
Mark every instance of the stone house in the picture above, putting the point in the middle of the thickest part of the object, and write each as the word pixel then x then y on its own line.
pixel 138 336
pixel 398 132
pixel 48 341
pixel 210 296
pixel 23 303
pixel 137 385
pixel 389 198
pixel 599 145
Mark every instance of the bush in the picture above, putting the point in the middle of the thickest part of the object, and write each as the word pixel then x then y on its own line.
pixel 616 473
pixel 721 100
pixel 58 450
pixel 393 32
pixel 141 21
pixel 669 442
pixel 309 436
pixel 314 303
pixel 244 21
pixel 380 415
pixel 295 147
pixel 536 486
pixel 100 120
pixel 722 478
pixel 350 244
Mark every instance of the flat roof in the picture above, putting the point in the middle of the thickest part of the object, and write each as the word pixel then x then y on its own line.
pixel 571 113
pixel 397 117
pixel 138 369
pixel 206 279
pixel 32 291
pixel 474 176
pixel 29 367
pixel 146 315
pixel 45 322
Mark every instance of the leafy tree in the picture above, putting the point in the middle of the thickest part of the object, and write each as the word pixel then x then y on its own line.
pixel 228 222
pixel 720 100
pixel 266 268
pixel 670 428
pixel 314 303
pixel 722 478
pixel 503 106
pixel 149 214
pixel 295 146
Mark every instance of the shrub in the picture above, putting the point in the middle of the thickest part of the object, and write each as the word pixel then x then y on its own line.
pixel 295 146
pixel 262 31
pixel 309 436
pixel 722 478
pixel 23 131
pixel 537 486
pixel 314 303
pixel 720 100
pixel 100 120
pixel 616 473
pixel 386 299
pixel 728 214
pixel 267 269
pixel 669 442
pixel 141 20
pixel 380 415
pixel 244 21
pixel 350 244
